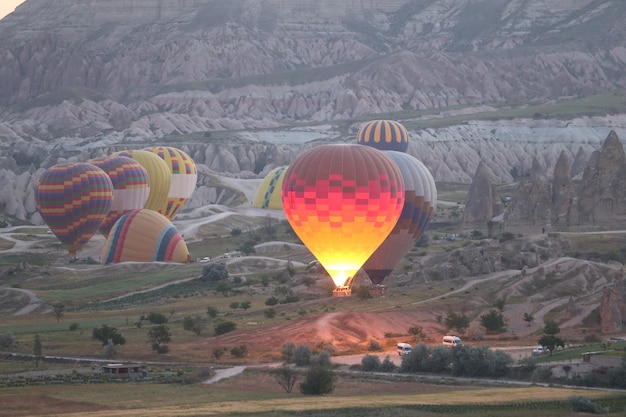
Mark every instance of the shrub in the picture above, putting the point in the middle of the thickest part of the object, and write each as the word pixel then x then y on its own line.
pixel 287 350
pixel 374 345
pixel 107 335
pixel 319 380
pixel 582 404
pixel 272 301
pixel 286 377
pixel 302 355
pixel 239 351
pixel 74 327
pixel 6 340
pixel 224 327
pixel 321 359
pixel 387 365
pixel 370 363
pixel 157 318
pixel 212 311
pixel 270 313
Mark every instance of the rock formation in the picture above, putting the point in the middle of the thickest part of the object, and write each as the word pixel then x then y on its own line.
pixel 481 203
pixel 532 202
pixel 601 197
pixel 613 307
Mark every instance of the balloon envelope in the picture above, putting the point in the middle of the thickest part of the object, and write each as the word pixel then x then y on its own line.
pixel 183 179
pixel 384 135
pixel 73 200
pixel 131 187
pixel 268 196
pixel 158 173
pixel 417 212
pixel 144 236
pixel 342 201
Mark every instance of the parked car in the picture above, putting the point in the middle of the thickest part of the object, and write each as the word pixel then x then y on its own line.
pixel 205 259
pixel 539 350
pixel 451 341
pixel 403 349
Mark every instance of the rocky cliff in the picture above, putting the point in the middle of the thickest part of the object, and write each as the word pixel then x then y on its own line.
pixel 246 85
pixel 558 201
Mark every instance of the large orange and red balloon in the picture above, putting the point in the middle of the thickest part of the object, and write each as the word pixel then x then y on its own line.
pixel 384 135
pixel 74 199
pixel 144 236
pixel 183 179
pixel 342 200
pixel 419 206
pixel 131 187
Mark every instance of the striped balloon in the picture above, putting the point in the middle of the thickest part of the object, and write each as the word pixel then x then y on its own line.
pixel 144 236
pixel 74 199
pixel 268 196
pixel 158 172
pixel 184 177
pixel 384 135
pixel 419 206
pixel 131 187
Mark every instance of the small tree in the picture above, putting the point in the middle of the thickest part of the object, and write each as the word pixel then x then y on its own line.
pixel 416 332
pixel 493 321
pixel 272 301
pixel 370 363
pixel 37 350
pixel 59 310
pixel 105 335
pixel 550 340
pixel 224 327
pixel 158 336
pixel 319 380
pixel 193 324
pixel 245 305
pixel 239 351
pixel 214 272
pixel 234 305
pixel 212 311
pixel 157 318
pixel 528 318
pixel 302 355
pixel 287 350
pixel 457 321
pixel 286 377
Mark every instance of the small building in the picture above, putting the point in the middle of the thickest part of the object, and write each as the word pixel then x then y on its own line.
pixel 120 370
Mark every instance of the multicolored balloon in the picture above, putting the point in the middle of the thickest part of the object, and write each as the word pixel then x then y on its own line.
pixel 342 200
pixel 419 205
pixel 131 187
pixel 384 135
pixel 184 177
pixel 74 199
pixel 158 172
pixel 268 196
pixel 144 236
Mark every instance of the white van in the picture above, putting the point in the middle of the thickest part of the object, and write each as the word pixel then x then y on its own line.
pixel 452 341
pixel 403 349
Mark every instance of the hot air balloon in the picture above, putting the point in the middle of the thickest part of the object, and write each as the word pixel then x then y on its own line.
pixel 144 236
pixel 131 187
pixel 158 172
pixel 384 135
pixel 342 200
pixel 419 204
pixel 184 177
pixel 268 196
pixel 74 199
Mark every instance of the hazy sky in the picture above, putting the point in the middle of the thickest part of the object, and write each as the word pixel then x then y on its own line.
pixel 7 6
